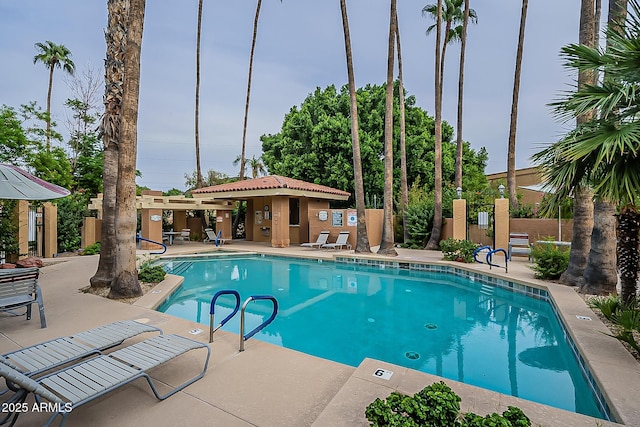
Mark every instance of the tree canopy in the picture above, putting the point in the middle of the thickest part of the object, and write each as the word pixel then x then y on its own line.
pixel 315 143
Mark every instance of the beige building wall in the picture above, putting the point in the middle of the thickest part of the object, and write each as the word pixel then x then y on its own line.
pixel 91 231
pixel 317 223
pixel 50 237
pixel 501 223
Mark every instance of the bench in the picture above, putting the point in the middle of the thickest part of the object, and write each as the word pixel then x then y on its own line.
pixel 19 288
pixel 519 245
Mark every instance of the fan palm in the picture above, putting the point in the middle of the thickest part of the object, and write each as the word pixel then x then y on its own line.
pixel 53 56
pixel 606 150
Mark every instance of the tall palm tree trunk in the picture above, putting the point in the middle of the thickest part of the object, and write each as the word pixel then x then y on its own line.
pixel 434 238
pixel 386 245
pixel 362 239
pixel 404 186
pixel 600 275
pixel 511 153
pixel 580 243
pixel 197 112
pixel 627 248
pixel 115 37
pixel 583 213
pixel 459 141
pixel 236 220
pixel 51 67
pixel 125 282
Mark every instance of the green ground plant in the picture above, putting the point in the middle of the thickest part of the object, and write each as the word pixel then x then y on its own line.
pixel 436 406
pixel 550 261
pixel 458 250
pixel 92 249
pixel 625 317
pixel 151 274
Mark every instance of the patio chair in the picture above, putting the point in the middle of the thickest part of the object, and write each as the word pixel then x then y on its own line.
pixel 48 355
pixel 341 242
pixel 73 386
pixel 19 288
pixel 215 238
pixel 322 239
pixel 519 245
pixel 185 235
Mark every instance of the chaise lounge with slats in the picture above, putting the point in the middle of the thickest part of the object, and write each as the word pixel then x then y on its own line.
pixel 88 380
pixel 39 358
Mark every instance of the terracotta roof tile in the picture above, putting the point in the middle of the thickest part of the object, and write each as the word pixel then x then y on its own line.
pixel 270 182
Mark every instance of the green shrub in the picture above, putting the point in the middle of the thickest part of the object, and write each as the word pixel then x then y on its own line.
pixel 436 406
pixel 151 274
pixel 458 250
pixel 92 249
pixel 624 316
pixel 550 261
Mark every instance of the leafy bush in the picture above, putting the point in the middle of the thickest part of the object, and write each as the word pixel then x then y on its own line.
pixel 92 249
pixel 624 316
pixel 458 250
pixel 550 261
pixel 436 406
pixel 151 274
pixel 8 228
pixel 71 212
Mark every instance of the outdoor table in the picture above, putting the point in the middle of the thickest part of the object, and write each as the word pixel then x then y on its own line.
pixel 170 234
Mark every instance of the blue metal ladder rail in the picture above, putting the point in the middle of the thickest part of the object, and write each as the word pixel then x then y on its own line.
pixel 213 306
pixel 243 336
pixel 488 257
pixel 475 253
pixel 164 247
pixel 506 259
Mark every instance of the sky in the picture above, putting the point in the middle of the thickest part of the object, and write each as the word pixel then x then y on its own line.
pixel 300 47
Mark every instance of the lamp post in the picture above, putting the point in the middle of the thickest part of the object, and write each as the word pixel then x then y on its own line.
pixel 501 190
pixel 459 191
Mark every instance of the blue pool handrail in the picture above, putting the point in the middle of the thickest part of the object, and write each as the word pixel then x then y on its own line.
pixel 481 248
pixel 506 259
pixel 243 336
pixel 213 306
pixel 164 247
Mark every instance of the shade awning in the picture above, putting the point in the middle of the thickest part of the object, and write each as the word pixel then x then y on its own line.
pixel 17 184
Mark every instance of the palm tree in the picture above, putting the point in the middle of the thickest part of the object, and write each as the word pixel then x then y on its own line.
pixel 434 238
pixel 362 239
pixel 583 210
pixel 600 275
pixel 115 37
pixel 404 187
pixel 255 164
pixel 511 152
pixel 386 244
pixel 450 13
pixel 125 282
pixel 468 14
pixel 603 151
pixel 197 112
pixel 53 56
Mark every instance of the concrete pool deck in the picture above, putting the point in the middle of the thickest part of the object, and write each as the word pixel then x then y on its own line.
pixel 268 385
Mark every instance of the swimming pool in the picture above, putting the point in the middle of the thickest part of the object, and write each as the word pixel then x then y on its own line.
pixel 448 325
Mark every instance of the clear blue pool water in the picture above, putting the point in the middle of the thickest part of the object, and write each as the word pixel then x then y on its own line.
pixel 437 323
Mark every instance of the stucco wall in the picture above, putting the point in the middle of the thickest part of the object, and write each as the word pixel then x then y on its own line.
pixel 316 224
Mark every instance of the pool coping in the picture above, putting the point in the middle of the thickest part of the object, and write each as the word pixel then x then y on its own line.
pixel 610 366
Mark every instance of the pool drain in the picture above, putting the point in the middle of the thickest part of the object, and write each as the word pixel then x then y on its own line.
pixel 431 326
pixel 412 355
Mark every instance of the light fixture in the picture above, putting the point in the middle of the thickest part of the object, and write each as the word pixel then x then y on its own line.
pixel 501 190
pixel 459 191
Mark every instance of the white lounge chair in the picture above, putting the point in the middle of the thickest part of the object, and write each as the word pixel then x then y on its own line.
pixel 215 238
pixel 322 239
pixel 341 242
pixel 19 288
